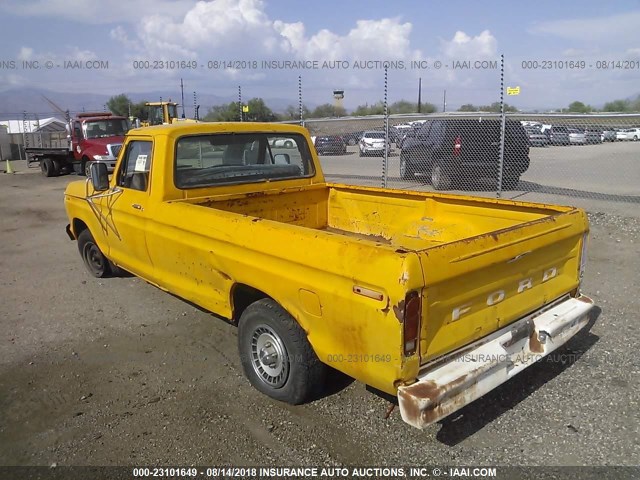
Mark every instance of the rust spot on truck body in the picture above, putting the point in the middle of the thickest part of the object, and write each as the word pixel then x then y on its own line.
pixel 398 311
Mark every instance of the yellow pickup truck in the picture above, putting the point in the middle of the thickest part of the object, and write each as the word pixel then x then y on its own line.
pixel 433 298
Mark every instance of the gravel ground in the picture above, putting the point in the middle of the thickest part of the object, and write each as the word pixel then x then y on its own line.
pixel 114 371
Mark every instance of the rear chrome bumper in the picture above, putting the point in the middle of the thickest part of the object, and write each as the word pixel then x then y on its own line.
pixel 448 385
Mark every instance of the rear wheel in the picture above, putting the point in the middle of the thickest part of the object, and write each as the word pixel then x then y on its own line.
pixel 97 264
pixel 275 354
pixel 441 177
pixel 407 171
pixel 49 167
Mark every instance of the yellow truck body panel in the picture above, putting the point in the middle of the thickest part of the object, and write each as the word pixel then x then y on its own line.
pixel 341 260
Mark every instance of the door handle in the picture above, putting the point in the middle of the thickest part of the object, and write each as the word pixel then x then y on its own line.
pixel 137 206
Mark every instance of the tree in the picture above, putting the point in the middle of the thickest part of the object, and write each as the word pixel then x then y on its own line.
pixel 366 109
pixel 328 110
pixel 468 107
pixel 230 112
pixel 293 113
pixel 579 107
pixel 122 105
pixel 617 106
pixel 259 112
pixel 495 107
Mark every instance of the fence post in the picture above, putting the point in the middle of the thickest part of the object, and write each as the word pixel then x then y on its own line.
pixel 385 161
pixel 300 100
pixel 502 128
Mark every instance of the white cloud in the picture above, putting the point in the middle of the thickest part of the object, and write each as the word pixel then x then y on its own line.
pixel 232 29
pixel 463 46
pixel 93 12
pixel 71 53
pixel 614 29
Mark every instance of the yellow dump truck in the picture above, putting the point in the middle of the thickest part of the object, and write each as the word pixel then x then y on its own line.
pixel 433 298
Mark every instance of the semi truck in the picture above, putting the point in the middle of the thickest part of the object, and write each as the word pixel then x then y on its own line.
pixel 92 137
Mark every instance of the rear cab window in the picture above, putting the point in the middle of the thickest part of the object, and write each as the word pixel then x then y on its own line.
pixel 224 158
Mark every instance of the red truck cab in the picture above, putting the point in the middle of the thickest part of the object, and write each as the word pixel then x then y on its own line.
pixel 97 137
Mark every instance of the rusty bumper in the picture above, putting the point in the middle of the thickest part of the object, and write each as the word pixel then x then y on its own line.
pixel 451 383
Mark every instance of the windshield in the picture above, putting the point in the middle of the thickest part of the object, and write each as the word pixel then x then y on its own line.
pixel 106 128
pixel 207 160
pixel 374 135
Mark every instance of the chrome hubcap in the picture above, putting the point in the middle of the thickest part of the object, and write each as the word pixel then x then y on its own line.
pixel 269 357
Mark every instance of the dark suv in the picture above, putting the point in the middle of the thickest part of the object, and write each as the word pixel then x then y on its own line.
pixel 456 152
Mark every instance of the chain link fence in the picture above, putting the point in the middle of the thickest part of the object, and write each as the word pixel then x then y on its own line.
pixel 586 160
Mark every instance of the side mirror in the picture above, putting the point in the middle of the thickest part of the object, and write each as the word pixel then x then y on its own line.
pixel 99 176
pixel 281 159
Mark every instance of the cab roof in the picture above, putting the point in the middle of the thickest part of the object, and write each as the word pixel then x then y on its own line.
pixel 194 128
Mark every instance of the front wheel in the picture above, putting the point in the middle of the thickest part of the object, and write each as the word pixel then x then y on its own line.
pixel 275 354
pixel 97 264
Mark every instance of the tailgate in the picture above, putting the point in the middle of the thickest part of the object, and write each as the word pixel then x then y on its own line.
pixel 476 286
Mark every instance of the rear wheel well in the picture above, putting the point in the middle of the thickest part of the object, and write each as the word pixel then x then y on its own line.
pixel 242 296
pixel 78 227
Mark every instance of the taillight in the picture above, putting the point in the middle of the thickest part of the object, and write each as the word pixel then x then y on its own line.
pixel 411 321
pixel 457 146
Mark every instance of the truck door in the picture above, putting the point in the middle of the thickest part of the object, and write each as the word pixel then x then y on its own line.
pixel 76 139
pixel 129 208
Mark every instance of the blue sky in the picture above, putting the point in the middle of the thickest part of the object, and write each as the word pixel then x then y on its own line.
pixel 252 30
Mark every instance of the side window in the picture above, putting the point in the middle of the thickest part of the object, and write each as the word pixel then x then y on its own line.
pixel 77 130
pixel 134 171
pixel 436 133
pixel 423 132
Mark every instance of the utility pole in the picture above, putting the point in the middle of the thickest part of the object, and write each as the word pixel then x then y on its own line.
pixel 444 101
pixel 419 95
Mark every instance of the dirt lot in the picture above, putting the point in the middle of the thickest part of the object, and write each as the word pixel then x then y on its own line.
pixel 114 371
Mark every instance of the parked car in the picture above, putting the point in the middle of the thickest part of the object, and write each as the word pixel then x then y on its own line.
pixel 373 142
pixel 411 132
pixel 621 134
pixel 633 134
pixel 456 152
pixel 558 135
pixel 609 135
pixel 577 137
pixel 283 142
pixel 536 137
pixel 332 144
pixel 352 138
pixel 593 135
pixel 396 132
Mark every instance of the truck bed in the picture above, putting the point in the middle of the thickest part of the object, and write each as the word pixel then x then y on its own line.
pixel 485 262
pixel 406 220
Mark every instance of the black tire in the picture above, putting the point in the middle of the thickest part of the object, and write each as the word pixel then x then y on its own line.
pixel 441 177
pixel 285 368
pixel 97 264
pixel 86 168
pixel 407 172
pixel 635 138
pixel 48 168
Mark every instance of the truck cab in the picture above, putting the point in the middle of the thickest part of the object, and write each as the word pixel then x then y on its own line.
pixel 97 137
